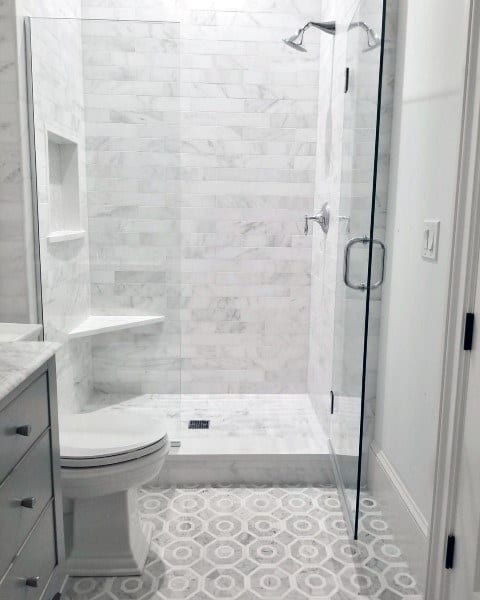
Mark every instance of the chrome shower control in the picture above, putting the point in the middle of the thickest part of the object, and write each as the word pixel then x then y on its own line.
pixel 322 218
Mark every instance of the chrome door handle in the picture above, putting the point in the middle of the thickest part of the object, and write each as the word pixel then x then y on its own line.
pixel 346 263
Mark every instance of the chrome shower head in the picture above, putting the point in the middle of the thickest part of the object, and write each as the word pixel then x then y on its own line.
pixel 295 46
pixel 296 41
pixel 373 40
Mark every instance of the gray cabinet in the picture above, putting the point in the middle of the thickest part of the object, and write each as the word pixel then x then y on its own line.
pixel 31 523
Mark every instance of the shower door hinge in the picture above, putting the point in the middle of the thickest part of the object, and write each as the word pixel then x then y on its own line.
pixel 450 553
pixel 468 335
pixel 347 79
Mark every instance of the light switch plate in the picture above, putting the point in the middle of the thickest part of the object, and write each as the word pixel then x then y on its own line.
pixel 430 239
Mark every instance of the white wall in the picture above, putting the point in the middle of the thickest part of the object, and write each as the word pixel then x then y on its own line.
pixel 425 148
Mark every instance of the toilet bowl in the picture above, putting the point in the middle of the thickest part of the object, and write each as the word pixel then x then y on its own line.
pixel 105 457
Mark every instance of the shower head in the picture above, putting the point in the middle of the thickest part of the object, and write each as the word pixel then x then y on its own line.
pixel 296 40
pixel 292 44
pixel 373 40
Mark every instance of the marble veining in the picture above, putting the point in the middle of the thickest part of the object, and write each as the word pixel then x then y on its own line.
pixel 250 543
pixel 239 423
pixel 18 360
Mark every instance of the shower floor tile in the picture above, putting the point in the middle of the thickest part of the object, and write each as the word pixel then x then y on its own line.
pixel 239 423
pixel 251 543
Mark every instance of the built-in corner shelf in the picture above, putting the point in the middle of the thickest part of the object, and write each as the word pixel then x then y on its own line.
pixel 65 235
pixel 95 325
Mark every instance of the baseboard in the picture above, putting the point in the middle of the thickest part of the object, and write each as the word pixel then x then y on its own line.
pixel 247 469
pixel 409 525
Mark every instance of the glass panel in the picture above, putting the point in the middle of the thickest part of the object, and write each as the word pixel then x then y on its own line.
pixel 381 181
pixel 352 300
pixel 104 99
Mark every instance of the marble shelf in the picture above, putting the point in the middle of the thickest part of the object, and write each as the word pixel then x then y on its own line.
pixel 64 235
pixel 95 325
pixel 19 332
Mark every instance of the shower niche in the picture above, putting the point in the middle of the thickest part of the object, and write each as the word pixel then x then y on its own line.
pixel 63 188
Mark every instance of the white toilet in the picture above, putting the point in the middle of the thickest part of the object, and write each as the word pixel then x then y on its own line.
pixel 105 456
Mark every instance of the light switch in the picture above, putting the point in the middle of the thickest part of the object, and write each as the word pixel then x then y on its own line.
pixel 431 232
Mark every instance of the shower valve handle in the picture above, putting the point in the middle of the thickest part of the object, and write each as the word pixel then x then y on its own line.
pixel 322 218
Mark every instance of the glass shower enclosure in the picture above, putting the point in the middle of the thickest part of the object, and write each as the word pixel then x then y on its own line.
pixel 361 258
pixel 104 110
pixel 148 298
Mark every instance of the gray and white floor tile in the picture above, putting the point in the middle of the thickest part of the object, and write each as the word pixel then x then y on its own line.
pixel 255 543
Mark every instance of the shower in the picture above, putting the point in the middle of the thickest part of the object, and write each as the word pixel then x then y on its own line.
pixel 296 41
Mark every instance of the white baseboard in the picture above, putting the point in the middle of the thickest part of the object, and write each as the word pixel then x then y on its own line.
pixel 409 525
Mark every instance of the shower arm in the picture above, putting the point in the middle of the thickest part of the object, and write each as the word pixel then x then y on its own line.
pixel 327 27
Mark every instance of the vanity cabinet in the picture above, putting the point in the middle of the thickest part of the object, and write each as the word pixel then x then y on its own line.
pixel 31 523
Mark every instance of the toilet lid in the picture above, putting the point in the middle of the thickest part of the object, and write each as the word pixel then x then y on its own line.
pixel 108 432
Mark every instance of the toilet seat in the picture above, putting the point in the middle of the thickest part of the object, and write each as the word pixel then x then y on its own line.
pixel 109 436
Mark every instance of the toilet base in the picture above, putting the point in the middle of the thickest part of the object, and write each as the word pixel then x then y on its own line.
pixel 108 537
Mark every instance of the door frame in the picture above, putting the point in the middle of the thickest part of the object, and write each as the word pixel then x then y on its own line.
pixel 461 298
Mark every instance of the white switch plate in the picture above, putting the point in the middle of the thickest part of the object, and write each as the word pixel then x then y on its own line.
pixel 431 233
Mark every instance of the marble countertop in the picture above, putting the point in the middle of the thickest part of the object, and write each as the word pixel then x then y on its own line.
pixel 18 360
pixel 17 332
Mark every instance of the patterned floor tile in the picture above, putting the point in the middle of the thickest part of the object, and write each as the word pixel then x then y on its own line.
pixel 257 543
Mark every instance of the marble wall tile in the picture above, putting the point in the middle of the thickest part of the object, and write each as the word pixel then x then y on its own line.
pixel 58 106
pixel 14 276
pixel 244 179
pixel 131 74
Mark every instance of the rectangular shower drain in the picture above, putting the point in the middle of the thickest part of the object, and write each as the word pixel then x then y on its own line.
pixel 199 424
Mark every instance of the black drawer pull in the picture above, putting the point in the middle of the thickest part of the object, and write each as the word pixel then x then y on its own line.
pixel 32 581
pixel 28 502
pixel 24 430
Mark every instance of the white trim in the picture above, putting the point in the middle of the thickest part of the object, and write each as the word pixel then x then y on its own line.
pixel 396 482
pixel 409 526
pixel 462 288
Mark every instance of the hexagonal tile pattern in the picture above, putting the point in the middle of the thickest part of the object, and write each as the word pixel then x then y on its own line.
pixel 244 543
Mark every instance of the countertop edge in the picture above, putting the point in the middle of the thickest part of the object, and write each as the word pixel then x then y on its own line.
pixel 18 360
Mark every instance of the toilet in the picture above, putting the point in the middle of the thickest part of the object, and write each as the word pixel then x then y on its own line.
pixel 105 457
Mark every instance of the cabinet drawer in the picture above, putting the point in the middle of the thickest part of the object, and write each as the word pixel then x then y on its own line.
pixel 28 411
pixel 30 482
pixel 37 559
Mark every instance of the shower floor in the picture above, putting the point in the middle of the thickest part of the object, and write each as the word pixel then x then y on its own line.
pixel 239 424
pixel 252 438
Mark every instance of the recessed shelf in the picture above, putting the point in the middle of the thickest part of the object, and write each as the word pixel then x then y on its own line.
pixel 65 235
pixel 95 325
pixel 63 186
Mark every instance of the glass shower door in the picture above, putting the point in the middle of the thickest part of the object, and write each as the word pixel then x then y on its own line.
pixel 360 255
pixel 104 128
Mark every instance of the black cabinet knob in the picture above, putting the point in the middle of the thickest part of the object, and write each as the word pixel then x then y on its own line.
pixel 24 430
pixel 28 502
pixel 32 581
